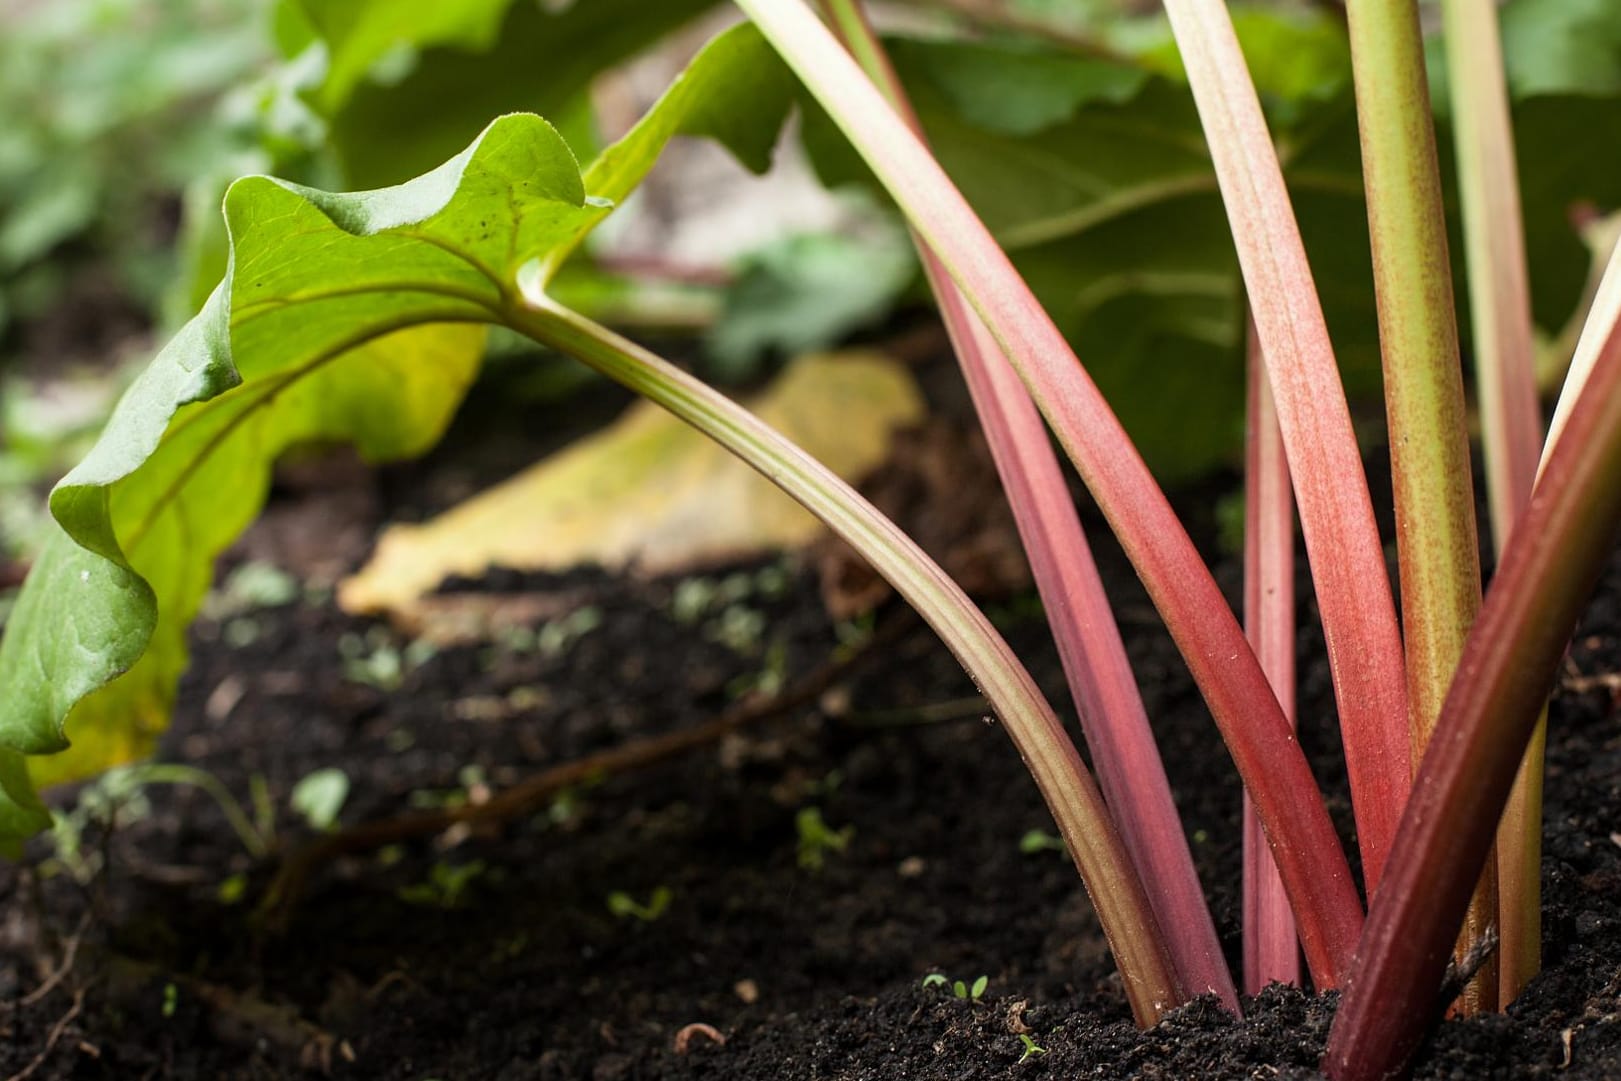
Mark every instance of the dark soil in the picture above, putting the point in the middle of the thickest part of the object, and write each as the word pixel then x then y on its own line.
pixel 494 953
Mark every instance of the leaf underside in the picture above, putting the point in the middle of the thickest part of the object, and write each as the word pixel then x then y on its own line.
pixel 342 317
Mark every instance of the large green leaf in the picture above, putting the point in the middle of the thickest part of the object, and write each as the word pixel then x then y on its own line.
pixel 1562 47
pixel 356 317
pixel 1101 189
pixel 1099 185
pixel 1563 62
pixel 359 34
pixel 409 82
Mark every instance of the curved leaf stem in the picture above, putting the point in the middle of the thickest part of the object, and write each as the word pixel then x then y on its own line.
pixel 1123 910
pixel 1110 706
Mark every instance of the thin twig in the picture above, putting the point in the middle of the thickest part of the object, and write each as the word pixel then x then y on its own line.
pixel 70 951
pixel 51 1041
pixel 242 1016
pixel 533 793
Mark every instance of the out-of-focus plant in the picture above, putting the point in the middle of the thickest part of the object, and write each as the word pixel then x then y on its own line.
pixel 108 110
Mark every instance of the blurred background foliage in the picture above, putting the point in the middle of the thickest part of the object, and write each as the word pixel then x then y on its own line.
pixel 1066 122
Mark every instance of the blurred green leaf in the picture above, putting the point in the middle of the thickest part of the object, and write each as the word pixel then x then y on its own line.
pixel 807 292
pixel 1021 91
pixel 319 797
pixel 447 70
pixel 1112 214
pixel 106 108
pixel 1562 47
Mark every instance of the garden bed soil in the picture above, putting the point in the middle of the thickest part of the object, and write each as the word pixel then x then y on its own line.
pixel 494 952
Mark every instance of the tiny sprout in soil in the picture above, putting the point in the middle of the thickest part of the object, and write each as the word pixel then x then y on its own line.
pixel 965 991
pixel 626 907
pixel 818 840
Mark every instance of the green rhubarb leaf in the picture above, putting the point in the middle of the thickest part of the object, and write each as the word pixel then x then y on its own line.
pixel 354 317
pixel 1022 91
pixel 807 292
pixel 409 82
pixel 1101 189
pixel 1562 47
pixel 360 34
pixel 1104 195
pixel 736 92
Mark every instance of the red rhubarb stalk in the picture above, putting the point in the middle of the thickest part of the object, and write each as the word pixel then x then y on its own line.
pixel 1110 705
pixel 1271 942
pixel 1257 735
pixel 1336 511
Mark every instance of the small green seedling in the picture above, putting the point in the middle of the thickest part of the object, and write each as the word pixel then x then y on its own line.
pixel 319 797
pixel 971 993
pixel 119 795
pixel 232 889
pixel 626 907
pixel 557 636
pixel 377 661
pixel 739 628
pixel 769 681
pixel 817 839
pixel 1039 841
pixel 252 586
pixel 1031 1048
pixel 446 885
pixel 474 787
pixel 967 992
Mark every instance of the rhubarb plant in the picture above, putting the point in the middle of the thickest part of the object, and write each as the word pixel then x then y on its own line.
pixel 362 317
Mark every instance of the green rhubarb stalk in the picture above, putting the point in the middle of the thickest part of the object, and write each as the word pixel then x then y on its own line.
pixel 1331 489
pixel 1436 543
pixel 1271 942
pixel 1510 421
pixel 1106 696
pixel 1510 660
pixel 1117 894
pixel 1224 667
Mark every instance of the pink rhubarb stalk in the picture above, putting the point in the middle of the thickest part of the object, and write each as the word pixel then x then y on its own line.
pixel 1271 942
pixel 1113 719
pixel 1336 511
pixel 1252 724
pixel 1510 420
